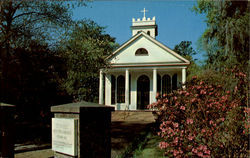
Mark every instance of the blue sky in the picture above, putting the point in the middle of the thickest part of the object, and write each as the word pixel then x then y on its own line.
pixel 176 22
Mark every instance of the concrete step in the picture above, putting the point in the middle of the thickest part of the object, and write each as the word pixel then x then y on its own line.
pixel 138 116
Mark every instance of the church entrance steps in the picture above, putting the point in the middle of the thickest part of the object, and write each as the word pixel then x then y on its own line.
pixel 133 116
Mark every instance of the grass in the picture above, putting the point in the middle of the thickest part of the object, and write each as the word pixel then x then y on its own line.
pixel 136 144
pixel 146 145
pixel 149 148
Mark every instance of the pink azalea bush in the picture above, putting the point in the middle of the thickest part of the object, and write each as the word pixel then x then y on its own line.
pixel 204 120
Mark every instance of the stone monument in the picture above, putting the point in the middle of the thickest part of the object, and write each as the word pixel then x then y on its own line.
pixel 81 129
pixel 6 130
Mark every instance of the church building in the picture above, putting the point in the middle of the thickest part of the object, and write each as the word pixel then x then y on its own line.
pixel 141 68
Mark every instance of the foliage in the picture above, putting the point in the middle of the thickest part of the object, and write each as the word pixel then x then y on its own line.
pixel 30 72
pixel 22 22
pixel 193 69
pixel 34 80
pixel 185 48
pixel 226 39
pixel 86 46
pixel 206 119
pixel 149 148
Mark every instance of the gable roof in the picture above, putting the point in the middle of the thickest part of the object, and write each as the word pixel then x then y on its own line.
pixel 137 36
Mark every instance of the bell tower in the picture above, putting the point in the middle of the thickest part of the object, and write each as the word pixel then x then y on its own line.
pixel 146 25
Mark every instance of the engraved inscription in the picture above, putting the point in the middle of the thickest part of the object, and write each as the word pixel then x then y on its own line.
pixel 64 136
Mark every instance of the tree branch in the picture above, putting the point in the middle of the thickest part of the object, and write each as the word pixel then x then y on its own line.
pixel 23 14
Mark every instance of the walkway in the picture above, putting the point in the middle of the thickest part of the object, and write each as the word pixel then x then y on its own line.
pixel 126 127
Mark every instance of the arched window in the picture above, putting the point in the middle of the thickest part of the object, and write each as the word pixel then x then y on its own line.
pixel 166 84
pixel 141 51
pixel 121 89
pixel 174 82
pixel 148 33
pixel 158 84
pixel 113 87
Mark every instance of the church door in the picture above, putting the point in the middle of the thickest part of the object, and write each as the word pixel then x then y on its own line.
pixel 143 84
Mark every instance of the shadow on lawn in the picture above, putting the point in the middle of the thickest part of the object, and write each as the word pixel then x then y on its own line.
pixel 126 136
pixel 33 133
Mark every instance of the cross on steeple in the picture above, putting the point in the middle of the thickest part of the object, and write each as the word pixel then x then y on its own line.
pixel 144 11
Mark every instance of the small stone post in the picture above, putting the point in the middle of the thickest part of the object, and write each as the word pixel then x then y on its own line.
pixel 81 130
pixel 7 130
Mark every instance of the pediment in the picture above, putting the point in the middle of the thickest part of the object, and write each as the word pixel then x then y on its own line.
pixel 157 52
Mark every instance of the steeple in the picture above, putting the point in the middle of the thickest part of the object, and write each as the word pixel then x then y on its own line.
pixel 146 25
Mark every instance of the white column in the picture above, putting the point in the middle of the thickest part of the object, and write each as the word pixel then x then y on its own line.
pixel 107 89
pixel 183 79
pixel 101 87
pixel 127 87
pixel 154 85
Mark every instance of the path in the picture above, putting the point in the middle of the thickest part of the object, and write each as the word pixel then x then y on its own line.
pixel 126 127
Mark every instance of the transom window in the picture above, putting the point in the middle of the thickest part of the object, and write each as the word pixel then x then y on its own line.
pixel 141 52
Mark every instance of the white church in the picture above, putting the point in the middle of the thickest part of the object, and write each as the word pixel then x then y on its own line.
pixel 141 68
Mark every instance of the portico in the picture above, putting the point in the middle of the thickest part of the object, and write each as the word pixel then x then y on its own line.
pixel 140 87
pixel 141 68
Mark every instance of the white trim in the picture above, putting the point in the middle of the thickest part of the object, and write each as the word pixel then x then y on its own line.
pixel 148 65
pixel 118 69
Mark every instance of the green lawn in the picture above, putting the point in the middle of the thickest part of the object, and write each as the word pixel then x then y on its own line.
pixel 149 148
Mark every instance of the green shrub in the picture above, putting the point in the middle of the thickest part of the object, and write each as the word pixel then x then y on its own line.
pixel 206 119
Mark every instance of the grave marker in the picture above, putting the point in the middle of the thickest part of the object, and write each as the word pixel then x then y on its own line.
pixel 64 136
pixel 89 124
